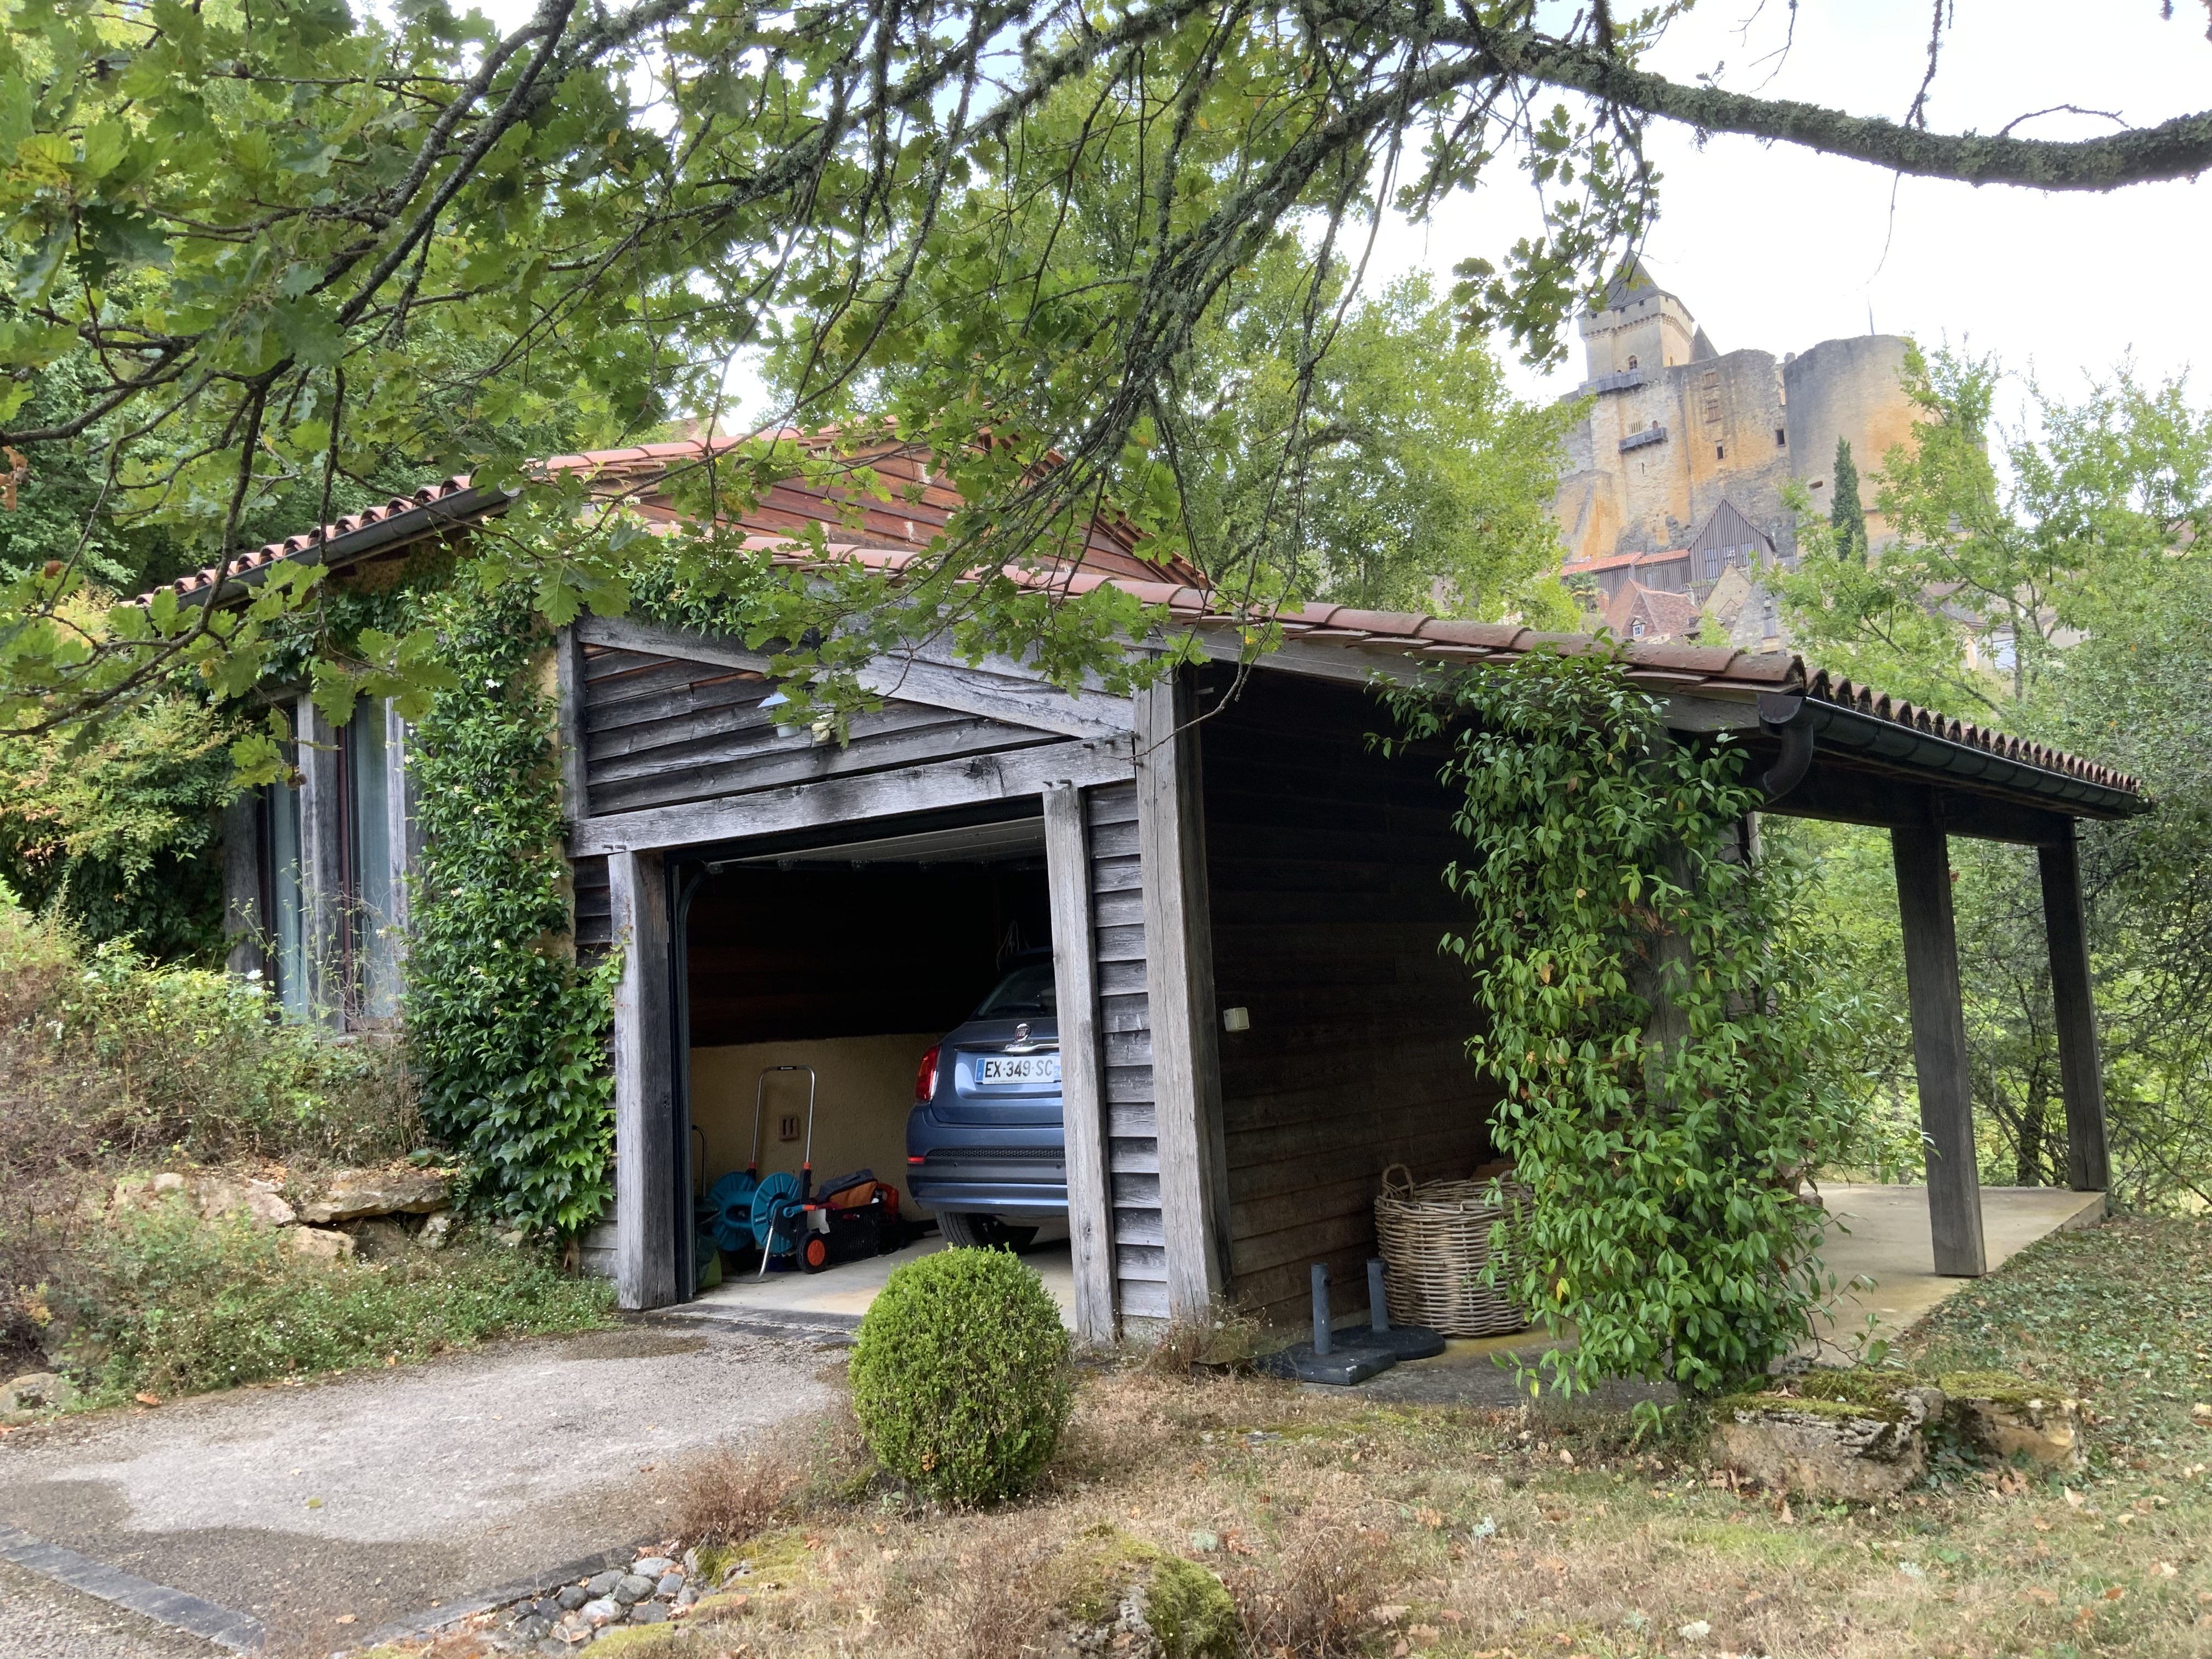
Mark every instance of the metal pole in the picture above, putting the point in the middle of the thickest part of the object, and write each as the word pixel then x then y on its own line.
pixel 1321 1344
pixel 1378 1310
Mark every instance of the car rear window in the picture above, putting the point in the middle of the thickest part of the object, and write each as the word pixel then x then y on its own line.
pixel 1027 990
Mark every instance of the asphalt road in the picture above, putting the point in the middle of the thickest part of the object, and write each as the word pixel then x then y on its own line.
pixel 381 1494
pixel 41 1619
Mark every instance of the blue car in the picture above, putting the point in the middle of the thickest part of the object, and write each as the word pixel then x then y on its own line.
pixel 984 1145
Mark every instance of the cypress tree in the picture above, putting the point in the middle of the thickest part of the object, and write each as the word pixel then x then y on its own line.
pixel 1846 517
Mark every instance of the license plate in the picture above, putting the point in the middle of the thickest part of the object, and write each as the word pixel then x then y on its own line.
pixel 1016 1068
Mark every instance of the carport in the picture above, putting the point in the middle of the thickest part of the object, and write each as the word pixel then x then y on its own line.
pixel 1243 906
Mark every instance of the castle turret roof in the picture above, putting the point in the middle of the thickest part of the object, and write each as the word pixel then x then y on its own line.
pixel 1631 283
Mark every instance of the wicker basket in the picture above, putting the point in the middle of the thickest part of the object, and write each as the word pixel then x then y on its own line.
pixel 1435 1239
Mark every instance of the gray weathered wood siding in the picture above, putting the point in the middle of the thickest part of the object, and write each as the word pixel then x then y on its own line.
pixel 1324 861
pixel 594 902
pixel 659 731
pixel 1132 1152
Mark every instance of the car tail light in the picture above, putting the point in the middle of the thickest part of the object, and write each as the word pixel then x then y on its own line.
pixel 925 1078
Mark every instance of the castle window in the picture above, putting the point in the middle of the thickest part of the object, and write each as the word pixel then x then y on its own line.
pixel 1720 452
pixel 1781 438
pixel 1631 362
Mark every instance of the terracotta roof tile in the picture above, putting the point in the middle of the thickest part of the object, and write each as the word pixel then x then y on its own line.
pixel 1658 664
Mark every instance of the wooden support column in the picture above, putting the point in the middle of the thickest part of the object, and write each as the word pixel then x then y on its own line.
pixel 569 728
pixel 1082 1061
pixel 646 1149
pixel 2080 1069
pixel 322 866
pixel 1179 985
pixel 1939 1047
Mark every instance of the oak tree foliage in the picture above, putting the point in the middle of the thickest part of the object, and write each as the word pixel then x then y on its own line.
pixel 294 242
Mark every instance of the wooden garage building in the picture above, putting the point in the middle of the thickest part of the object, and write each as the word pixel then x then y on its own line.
pixel 1225 841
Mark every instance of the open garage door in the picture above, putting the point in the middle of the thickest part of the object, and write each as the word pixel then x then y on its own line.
pixel 820 981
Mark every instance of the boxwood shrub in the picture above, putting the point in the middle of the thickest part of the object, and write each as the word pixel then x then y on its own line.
pixel 961 1376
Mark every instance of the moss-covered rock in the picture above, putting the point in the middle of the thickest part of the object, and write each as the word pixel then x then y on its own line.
pixel 2009 1417
pixel 1853 1435
pixel 1124 1598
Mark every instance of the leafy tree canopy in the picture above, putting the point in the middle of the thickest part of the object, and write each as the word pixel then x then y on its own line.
pixel 2055 580
pixel 296 244
pixel 2001 558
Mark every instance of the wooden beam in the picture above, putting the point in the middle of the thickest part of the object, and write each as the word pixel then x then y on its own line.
pixel 1840 793
pixel 646 1146
pixel 1939 1048
pixel 322 870
pixel 831 801
pixel 1082 1063
pixel 991 691
pixel 2080 1069
pixel 1179 985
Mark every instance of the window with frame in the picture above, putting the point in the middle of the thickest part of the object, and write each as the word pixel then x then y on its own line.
pixel 338 840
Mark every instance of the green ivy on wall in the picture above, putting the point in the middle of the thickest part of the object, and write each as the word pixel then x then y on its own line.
pixel 1674 1055
pixel 508 1032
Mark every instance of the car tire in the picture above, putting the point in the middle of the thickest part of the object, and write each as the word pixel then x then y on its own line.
pixel 968 1231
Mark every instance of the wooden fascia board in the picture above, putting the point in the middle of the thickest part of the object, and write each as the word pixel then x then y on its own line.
pixel 829 802
pixel 996 691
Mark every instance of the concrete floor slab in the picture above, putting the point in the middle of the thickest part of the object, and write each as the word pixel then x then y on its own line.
pixel 1881 1250
pixel 840 1295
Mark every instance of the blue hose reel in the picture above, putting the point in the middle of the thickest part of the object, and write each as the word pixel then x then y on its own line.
pixel 730 1210
pixel 778 1213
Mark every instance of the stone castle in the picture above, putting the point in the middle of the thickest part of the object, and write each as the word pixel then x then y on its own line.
pixel 1676 428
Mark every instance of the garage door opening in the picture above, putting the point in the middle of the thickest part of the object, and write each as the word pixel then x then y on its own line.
pixel 830 971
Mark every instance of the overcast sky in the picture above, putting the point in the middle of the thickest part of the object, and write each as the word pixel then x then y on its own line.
pixel 1775 248
pixel 1778 248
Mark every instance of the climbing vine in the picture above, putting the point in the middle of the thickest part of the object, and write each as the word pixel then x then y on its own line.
pixel 506 1031
pixel 1673 1059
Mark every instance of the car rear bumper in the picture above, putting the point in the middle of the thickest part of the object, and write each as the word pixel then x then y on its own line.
pixel 993 1180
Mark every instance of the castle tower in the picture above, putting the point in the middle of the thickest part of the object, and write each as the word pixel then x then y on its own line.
pixel 1639 326
pixel 1675 430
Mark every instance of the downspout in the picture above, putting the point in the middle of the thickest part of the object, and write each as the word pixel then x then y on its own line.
pixel 1783 714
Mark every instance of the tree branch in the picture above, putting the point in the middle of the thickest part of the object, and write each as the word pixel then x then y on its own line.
pixel 2179 149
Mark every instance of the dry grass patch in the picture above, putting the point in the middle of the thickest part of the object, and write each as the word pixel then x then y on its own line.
pixel 1347 1530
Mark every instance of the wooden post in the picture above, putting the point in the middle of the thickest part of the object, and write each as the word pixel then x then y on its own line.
pixel 2080 1071
pixel 645 1121
pixel 322 868
pixel 1939 1048
pixel 1179 987
pixel 569 723
pixel 1082 1061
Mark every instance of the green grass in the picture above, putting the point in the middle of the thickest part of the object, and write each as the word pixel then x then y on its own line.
pixel 166 1304
pixel 2118 1315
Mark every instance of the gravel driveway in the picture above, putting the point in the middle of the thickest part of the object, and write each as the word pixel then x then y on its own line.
pixel 383 1493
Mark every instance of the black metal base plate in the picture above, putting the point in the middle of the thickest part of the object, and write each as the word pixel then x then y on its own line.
pixel 1342 1369
pixel 1405 1341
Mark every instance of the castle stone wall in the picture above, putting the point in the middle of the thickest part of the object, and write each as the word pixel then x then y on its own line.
pixel 1721 415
